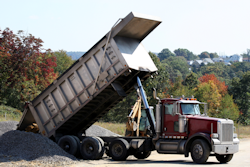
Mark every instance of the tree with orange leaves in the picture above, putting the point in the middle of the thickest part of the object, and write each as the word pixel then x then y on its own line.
pixel 222 88
pixel 215 93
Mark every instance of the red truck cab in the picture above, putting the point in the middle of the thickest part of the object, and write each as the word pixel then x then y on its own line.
pixel 185 129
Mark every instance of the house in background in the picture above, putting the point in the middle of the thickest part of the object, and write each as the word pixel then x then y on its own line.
pixel 207 60
pixel 218 59
pixel 246 59
pixel 234 58
pixel 197 63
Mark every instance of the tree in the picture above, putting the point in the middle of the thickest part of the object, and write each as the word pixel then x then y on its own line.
pixel 177 66
pixel 215 93
pixel 222 88
pixel 208 92
pixel 63 61
pixel 213 55
pixel 185 53
pixel 191 81
pixel 26 68
pixel 164 54
pixel 241 93
pixel 204 55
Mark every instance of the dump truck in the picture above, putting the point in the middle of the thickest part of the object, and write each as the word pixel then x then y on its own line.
pixel 101 78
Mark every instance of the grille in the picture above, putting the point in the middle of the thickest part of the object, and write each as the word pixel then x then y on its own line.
pixel 227 132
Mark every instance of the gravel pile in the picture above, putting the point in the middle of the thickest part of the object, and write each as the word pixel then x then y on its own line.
pixel 17 145
pixel 96 130
pixel 20 146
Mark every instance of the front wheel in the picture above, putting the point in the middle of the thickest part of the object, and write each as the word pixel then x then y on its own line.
pixel 200 151
pixel 224 158
pixel 118 150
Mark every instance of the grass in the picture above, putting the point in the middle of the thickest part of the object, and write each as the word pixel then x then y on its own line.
pixel 243 131
pixel 118 128
pixel 9 113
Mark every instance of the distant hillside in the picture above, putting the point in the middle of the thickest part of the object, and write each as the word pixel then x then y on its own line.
pixel 75 55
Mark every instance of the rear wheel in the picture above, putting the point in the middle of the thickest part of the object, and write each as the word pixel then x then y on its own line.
pixel 102 147
pixel 68 144
pixel 200 151
pixel 118 150
pixel 78 153
pixel 90 148
pixel 142 155
pixel 224 158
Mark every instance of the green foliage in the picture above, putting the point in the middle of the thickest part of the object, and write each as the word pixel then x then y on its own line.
pixel 185 53
pixel 177 89
pixel 228 109
pixel 176 66
pixel 241 93
pixel 191 81
pixel 164 54
pixel 63 61
pixel 213 55
pixel 204 55
pixel 10 112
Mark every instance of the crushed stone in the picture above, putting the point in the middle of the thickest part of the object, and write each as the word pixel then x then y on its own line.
pixel 27 148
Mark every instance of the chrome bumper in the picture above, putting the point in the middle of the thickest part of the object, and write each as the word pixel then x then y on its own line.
pixel 225 148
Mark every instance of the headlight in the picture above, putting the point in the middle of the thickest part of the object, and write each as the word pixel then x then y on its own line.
pixel 215 135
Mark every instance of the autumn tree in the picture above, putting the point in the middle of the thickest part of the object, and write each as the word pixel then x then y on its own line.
pixel 26 68
pixel 222 88
pixel 215 93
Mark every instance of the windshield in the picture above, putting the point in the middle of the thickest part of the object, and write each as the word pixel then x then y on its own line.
pixel 190 109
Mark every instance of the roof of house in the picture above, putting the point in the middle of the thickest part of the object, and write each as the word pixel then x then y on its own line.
pixel 208 60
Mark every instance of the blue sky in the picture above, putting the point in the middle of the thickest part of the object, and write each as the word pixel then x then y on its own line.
pixel 221 26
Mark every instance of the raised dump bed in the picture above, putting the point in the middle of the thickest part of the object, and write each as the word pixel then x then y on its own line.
pixel 96 82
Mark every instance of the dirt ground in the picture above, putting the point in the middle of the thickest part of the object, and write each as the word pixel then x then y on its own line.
pixel 241 158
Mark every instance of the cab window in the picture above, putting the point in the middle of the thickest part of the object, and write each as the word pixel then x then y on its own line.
pixel 169 109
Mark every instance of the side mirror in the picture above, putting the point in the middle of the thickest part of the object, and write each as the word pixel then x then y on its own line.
pixel 175 108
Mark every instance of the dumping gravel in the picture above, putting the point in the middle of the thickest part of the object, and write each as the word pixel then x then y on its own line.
pixel 20 146
pixel 96 130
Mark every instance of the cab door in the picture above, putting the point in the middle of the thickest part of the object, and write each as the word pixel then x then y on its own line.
pixel 171 124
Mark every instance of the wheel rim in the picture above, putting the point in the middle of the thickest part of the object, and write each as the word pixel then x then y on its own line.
pixel 66 147
pixel 89 148
pixel 197 151
pixel 117 150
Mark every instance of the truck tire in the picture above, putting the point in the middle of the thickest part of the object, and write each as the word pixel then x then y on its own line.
pixel 102 145
pixel 200 151
pixel 68 144
pixel 78 153
pixel 90 148
pixel 224 158
pixel 118 149
pixel 142 155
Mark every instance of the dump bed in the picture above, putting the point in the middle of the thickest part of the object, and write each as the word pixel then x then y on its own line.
pixel 85 92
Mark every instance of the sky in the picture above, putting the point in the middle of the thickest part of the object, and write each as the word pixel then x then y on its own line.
pixel 221 26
